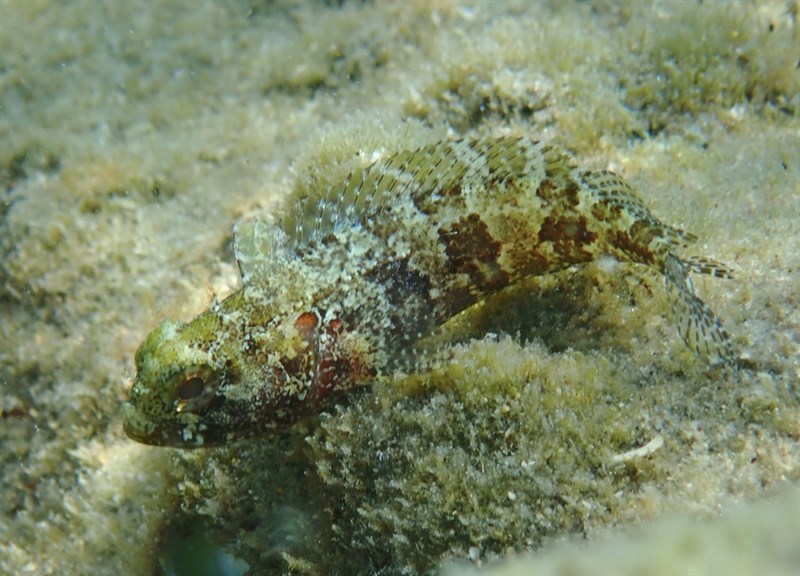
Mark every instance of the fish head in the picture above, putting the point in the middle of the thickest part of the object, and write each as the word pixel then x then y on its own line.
pixel 176 398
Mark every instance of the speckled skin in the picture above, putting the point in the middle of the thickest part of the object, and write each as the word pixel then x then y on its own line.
pixel 341 290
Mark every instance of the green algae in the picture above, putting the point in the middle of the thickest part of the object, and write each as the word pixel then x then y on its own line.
pixel 676 545
pixel 710 58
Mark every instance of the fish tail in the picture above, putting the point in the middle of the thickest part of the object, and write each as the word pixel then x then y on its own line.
pixel 699 327
pixel 707 266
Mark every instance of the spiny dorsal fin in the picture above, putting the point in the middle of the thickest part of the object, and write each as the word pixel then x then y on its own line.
pixel 258 245
pixel 368 190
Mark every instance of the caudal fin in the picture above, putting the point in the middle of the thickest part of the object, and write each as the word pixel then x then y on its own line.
pixel 698 325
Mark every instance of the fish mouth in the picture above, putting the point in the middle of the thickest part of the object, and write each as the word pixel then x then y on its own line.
pixel 140 429
pixel 135 424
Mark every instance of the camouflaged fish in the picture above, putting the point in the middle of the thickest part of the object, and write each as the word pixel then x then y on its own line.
pixel 338 293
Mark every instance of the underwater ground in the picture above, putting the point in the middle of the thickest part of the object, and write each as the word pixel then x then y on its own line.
pixel 572 431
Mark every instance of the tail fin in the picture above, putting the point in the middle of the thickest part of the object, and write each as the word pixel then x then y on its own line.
pixel 698 325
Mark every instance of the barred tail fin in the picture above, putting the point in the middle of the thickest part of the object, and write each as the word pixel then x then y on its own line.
pixel 707 266
pixel 699 327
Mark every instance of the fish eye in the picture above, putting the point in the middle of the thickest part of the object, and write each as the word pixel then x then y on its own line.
pixel 191 387
pixel 195 388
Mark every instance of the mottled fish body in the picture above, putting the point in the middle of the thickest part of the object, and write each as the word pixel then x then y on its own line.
pixel 337 293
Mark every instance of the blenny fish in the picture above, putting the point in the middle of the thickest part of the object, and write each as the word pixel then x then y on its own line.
pixel 338 290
